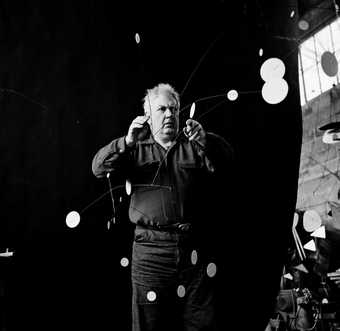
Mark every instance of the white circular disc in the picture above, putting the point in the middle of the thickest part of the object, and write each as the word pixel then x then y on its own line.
pixel 311 220
pixel 329 64
pixel 151 296
pixel 211 269
pixel 128 187
pixel 303 25
pixel 192 110
pixel 194 257
pixel 232 95
pixel 275 91
pixel 124 262
pixel 181 291
pixel 272 68
pixel 72 219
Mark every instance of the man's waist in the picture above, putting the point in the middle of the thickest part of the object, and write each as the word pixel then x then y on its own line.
pixel 179 227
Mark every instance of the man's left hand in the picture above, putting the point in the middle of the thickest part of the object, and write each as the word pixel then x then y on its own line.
pixel 194 131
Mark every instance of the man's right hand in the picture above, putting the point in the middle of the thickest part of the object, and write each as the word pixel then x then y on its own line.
pixel 137 130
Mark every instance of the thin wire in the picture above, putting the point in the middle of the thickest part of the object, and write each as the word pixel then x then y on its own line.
pixel 200 61
pixel 165 155
pixel 196 68
pixel 211 109
pixel 317 26
pixel 249 92
pixel 304 35
pixel 142 66
pixel 203 99
pixel 112 198
pixel 99 198
pixel 200 99
pixel 117 187
pixel 180 131
pixel 177 136
pixel 142 185
pixel 24 96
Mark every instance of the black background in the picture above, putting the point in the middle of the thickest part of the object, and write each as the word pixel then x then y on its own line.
pixel 72 78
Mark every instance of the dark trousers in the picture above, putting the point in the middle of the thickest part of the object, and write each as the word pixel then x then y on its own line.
pixel 170 289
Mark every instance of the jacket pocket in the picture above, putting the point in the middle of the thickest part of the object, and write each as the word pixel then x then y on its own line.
pixel 190 165
pixel 147 205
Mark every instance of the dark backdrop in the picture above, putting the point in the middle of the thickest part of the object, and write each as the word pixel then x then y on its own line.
pixel 72 78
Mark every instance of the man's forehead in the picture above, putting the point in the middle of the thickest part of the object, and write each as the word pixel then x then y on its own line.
pixel 163 99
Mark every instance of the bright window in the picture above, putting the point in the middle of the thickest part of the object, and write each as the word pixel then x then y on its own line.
pixel 313 79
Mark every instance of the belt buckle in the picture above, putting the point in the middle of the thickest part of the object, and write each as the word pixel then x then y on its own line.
pixel 184 227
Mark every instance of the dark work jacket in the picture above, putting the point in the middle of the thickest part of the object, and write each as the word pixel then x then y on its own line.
pixel 168 186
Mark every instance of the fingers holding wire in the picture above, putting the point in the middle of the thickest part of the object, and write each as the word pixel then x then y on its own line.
pixel 193 130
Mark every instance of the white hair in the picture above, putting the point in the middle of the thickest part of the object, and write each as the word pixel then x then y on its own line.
pixel 160 89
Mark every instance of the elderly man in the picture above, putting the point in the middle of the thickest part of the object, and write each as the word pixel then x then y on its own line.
pixel 171 172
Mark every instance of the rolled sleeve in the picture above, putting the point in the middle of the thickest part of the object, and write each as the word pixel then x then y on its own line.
pixel 110 157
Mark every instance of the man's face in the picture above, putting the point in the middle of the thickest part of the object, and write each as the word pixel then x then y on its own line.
pixel 164 117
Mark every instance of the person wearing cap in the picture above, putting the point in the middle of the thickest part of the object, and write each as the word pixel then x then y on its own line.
pixel 171 172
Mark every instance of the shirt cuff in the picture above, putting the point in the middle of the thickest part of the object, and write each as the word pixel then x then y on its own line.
pixel 121 146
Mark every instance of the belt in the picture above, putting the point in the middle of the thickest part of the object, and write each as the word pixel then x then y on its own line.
pixel 174 227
